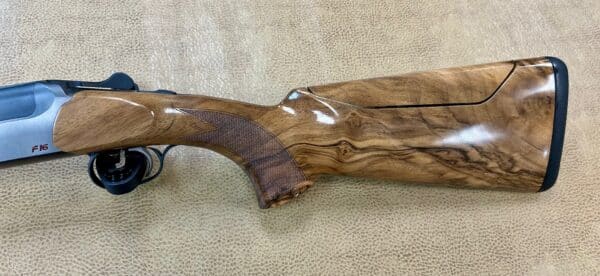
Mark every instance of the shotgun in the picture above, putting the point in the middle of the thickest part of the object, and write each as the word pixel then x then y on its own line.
pixel 495 126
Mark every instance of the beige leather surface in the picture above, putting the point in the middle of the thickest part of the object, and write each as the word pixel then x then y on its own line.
pixel 201 215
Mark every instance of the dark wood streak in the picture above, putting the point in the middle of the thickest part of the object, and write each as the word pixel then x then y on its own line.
pixel 485 126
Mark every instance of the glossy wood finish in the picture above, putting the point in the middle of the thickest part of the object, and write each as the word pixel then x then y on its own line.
pixel 443 86
pixel 497 135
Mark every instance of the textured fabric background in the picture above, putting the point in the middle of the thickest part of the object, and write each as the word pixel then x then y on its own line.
pixel 202 216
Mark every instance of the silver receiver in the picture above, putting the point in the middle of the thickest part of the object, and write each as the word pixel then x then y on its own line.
pixel 28 112
pixel 27 115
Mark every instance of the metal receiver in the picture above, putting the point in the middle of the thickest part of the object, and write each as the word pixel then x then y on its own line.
pixel 27 115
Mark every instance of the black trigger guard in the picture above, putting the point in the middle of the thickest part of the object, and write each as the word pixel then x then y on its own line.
pixel 115 180
pixel 140 173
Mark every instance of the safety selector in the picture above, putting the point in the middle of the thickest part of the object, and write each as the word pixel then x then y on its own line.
pixel 120 171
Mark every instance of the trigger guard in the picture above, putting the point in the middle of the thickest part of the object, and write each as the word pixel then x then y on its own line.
pixel 149 162
pixel 122 187
pixel 136 167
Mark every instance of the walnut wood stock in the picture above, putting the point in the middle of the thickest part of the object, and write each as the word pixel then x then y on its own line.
pixel 469 84
pixel 486 126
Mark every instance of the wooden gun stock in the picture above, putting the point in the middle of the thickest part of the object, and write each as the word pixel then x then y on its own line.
pixel 497 126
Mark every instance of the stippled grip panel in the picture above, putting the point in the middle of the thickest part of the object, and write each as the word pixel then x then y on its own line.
pixel 96 121
pixel 275 174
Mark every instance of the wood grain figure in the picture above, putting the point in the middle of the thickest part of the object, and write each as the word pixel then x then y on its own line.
pixel 485 126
